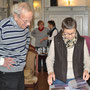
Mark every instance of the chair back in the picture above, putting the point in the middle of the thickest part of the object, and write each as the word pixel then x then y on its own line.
pixel 88 42
pixel 30 60
pixel 31 68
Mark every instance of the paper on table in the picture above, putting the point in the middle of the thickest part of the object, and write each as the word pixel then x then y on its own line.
pixel 58 87
pixel 78 84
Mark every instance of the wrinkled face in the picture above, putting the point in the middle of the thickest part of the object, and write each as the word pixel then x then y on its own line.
pixel 24 19
pixel 69 34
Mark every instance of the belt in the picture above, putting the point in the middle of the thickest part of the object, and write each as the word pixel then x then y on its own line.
pixel 1 72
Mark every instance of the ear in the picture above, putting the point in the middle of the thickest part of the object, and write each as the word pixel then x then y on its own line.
pixel 15 16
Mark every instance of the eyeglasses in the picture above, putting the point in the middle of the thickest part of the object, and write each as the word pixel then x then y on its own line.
pixel 70 34
pixel 24 21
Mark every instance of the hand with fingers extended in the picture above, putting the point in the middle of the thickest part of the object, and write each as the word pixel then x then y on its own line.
pixel 8 62
pixel 51 77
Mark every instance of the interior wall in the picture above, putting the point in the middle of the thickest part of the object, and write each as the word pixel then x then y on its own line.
pixel 80 14
pixel 89 17
pixel 65 3
pixel 5 6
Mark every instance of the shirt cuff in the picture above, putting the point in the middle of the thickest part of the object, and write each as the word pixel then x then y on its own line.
pixel 87 69
pixel 49 71
pixel 1 61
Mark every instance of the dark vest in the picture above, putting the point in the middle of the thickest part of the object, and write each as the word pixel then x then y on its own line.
pixel 60 65
pixel 51 31
pixel 50 34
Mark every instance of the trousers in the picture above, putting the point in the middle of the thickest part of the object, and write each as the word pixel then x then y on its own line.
pixel 40 57
pixel 12 80
pixel 56 82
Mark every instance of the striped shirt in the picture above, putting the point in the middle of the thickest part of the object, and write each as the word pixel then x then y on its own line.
pixel 14 42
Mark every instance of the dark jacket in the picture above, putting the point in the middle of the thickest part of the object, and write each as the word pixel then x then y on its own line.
pixel 60 65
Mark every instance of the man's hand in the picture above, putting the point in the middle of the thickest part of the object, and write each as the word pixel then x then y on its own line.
pixel 8 62
pixel 51 77
pixel 85 75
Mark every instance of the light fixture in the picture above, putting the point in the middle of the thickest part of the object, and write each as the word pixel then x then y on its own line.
pixel 72 3
pixel 37 5
pixel 69 2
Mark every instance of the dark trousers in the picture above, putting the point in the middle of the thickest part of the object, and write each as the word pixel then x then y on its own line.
pixel 42 58
pixel 12 81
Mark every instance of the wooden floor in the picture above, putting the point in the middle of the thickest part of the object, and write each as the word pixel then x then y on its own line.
pixel 42 82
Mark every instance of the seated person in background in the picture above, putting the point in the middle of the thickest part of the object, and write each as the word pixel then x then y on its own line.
pixel 40 33
pixel 52 32
pixel 68 56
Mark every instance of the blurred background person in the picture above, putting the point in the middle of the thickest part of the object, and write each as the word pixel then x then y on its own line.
pixel 40 33
pixel 52 32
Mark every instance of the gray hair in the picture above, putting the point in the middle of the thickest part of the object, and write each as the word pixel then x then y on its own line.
pixel 19 7
pixel 69 23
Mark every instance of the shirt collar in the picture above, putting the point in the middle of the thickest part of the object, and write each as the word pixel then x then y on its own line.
pixel 13 21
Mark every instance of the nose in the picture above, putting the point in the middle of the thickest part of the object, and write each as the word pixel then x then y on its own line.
pixel 70 37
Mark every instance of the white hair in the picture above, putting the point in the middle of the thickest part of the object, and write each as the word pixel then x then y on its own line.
pixel 19 7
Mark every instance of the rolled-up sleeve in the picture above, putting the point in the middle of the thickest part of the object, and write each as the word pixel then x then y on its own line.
pixel 1 61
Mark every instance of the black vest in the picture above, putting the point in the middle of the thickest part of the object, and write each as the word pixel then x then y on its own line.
pixel 60 65
pixel 50 34
pixel 51 31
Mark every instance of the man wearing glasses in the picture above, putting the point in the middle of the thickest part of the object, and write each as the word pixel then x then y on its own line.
pixel 68 56
pixel 14 42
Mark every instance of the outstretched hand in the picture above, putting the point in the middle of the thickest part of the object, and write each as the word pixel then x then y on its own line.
pixel 8 62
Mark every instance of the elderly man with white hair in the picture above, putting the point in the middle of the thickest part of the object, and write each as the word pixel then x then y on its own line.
pixel 14 42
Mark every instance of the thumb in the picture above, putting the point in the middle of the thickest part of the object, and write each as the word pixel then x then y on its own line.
pixel 54 77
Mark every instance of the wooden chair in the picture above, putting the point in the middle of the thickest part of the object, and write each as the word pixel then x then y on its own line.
pixel 31 69
pixel 31 47
pixel 88 42
pixel 88 45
